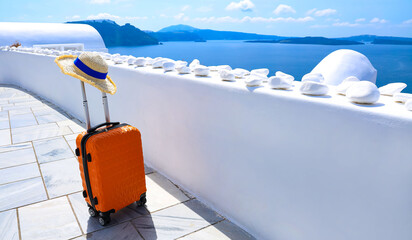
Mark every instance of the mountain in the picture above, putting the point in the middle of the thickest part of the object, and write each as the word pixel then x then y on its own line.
pixel 310 40
pixel 391 41
pixel 372 39
pixel 319 41
pixel 128 35
pixel 115 35
pixel 208 34
pixel 178 28
pixel 181 33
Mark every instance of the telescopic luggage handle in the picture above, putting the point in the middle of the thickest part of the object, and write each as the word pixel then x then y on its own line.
pixel 86 107
pixel 101 125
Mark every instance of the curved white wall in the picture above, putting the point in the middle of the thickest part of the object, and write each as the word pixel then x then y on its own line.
pixel 29 34
pixel 282 165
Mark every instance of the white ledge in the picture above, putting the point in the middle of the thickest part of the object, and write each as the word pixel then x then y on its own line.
pixel 280 164
pixel 29 34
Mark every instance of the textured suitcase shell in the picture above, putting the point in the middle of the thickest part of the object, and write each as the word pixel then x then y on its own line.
pixel 116 169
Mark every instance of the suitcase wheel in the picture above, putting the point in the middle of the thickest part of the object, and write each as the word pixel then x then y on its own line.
pixel 104 220
pixel 93 212
pixel 142 200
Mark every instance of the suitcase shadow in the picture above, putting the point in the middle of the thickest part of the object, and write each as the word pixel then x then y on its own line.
pixel 121 225
pixel 176 220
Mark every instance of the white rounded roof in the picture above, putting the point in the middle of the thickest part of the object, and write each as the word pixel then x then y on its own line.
pixel 29 34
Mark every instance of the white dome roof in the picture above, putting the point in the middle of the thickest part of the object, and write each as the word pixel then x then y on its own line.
pixel 29 34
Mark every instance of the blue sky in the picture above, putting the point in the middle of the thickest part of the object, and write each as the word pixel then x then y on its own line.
pixel 286 18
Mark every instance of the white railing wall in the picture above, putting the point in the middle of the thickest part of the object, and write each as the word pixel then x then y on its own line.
pixel 280 164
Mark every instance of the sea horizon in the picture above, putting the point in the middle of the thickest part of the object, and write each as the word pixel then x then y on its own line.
pixel 392 62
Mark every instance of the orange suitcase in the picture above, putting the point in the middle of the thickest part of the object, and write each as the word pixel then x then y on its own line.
pixel 111 165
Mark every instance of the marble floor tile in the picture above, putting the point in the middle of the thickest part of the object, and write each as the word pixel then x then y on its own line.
pixel 47 110
pixel 8 225
pixel 5 138
pixel 14 107
pixel 22 120
pixel 22 192
pixel 35 103
pixel 22 99
pixel 90 224
pixel 4 115
pixel 17 157
pixel 71 140
pixel 18 173
pixel 76 128
pixel 176 221
pixel 75 125
pixel 162 193
pixel 71 136
pixel 48 118
pixel 37 132
pixel 52 149
pixel 124 231
pixel 20 111
pixel 4 124
pixel 223 230
pixel 7 95
pixel 70 122
pixel 52 219
pixel 15 147
pixel 61 177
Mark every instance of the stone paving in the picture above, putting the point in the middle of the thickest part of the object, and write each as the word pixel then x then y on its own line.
pixel 40 185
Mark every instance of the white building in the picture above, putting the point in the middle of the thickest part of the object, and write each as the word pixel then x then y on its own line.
pixel 29 34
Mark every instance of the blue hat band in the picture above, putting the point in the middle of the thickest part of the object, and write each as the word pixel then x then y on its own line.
pixel 92 73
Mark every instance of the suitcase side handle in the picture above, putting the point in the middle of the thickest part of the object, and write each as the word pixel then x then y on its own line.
pixel 101 125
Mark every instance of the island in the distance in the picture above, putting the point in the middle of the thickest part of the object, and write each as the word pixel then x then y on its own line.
pixel 310 40
pixel 129 35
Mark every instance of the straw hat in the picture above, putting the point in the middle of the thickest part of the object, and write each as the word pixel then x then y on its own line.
pixel 88 67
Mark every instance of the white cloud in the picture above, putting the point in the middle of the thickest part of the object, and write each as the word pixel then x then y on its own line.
pixel 282 8
pixel 321 13
pixel 345 24
pixel 409 21
pixel 163 15
pixel 325 12
pixel 310 12
pixel 229 19
pixel 244 5
pixel 360 20
pixel 99 1
pixel 179 16
pixel 103 16
pixel 378 20
pixel 278 19
pixel 184 8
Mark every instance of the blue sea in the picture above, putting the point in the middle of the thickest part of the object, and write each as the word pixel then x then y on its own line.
pixel 393 62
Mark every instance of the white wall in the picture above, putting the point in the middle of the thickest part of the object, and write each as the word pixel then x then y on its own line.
pixel 282 165
pixel 29 34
